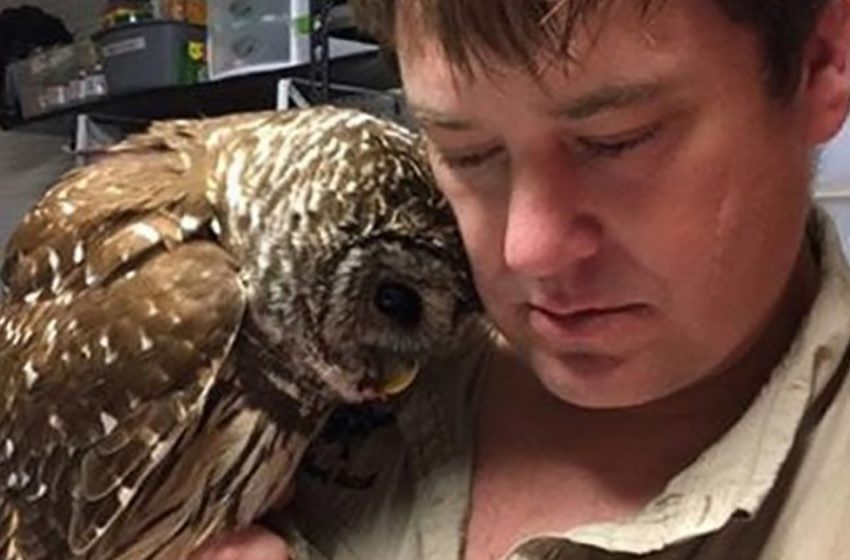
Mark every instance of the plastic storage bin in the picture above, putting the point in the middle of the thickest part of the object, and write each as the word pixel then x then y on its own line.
pixel 53 79
pixel 246 36
pixel 151 55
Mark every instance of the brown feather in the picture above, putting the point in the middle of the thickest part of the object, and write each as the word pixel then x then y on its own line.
pixel 184 313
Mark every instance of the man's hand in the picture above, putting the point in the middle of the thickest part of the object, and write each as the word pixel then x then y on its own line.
pixel 254 543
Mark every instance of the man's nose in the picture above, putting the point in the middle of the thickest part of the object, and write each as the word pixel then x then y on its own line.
pixel 551 224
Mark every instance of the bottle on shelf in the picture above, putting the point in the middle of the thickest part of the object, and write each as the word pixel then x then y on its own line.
pixel 120 12
pixel 189 11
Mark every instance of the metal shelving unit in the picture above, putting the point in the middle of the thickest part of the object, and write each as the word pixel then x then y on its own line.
pixel 359 79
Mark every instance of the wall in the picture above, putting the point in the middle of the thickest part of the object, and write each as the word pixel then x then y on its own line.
pixel 80 16
pixel 833 188
pixel 29 163
pixel 835 164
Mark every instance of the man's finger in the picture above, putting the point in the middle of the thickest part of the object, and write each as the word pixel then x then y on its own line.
pixel 254 543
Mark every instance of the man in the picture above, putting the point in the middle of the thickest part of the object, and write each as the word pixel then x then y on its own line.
pixel 632 183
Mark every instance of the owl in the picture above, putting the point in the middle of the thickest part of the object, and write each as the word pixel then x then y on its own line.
pixel 182 315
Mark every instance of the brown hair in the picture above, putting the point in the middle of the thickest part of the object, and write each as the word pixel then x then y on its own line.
pixel 515 31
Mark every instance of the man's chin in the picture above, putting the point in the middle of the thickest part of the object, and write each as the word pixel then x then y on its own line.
pixel 594 380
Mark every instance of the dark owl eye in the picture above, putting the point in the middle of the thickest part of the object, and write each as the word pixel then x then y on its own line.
pixel 400 303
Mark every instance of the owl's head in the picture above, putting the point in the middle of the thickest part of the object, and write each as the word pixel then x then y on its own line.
pixel 360 270
pixel 390 302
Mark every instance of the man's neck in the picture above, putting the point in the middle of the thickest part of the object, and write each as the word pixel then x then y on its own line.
pixel 620 458
pixel 723 396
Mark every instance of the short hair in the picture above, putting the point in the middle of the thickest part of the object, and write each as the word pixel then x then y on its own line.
pixel 516 31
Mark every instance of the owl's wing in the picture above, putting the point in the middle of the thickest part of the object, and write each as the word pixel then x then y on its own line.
pixel 158 178
pixel 122 310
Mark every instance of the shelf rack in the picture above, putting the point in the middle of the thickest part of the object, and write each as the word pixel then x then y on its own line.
pixel 322 79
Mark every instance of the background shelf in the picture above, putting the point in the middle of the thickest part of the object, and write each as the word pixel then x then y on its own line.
pixel 366 79
pixel 369 73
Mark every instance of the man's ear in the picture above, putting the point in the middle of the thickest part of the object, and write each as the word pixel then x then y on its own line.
pixel 825 83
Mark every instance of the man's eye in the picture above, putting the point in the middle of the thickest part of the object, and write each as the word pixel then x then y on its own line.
pixel 616 147
pixel 471 159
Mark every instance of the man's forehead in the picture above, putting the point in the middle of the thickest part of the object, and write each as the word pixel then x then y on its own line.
pixel 622 73
pixel 484 32
pixel 571 106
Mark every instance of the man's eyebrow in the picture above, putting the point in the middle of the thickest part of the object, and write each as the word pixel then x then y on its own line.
pixel 608 97
pixel 428 117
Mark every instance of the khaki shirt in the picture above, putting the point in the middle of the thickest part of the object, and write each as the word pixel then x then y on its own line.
pixel 394 483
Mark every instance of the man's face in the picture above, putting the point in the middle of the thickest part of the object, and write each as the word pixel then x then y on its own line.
pixel 633 218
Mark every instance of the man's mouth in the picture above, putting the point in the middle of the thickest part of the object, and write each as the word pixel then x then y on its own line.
pixel 587 322
pixel 578 313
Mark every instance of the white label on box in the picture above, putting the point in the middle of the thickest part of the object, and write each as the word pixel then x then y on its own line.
pixel 124 47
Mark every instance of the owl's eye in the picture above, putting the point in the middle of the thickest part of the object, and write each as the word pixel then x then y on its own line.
pixel 400 303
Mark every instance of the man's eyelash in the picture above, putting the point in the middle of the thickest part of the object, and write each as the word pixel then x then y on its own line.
pixel 594 148
pixel 618 148
pixel 469 160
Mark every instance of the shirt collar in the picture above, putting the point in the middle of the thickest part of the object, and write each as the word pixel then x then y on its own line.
pixel 735 475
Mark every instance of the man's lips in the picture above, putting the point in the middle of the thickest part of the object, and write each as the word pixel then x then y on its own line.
pixel 577 323
pixel 577 312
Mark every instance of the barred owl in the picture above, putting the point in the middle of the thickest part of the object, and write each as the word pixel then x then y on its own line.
pixel 182 315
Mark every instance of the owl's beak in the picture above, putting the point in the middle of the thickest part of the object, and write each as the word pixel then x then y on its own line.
pixel 400 374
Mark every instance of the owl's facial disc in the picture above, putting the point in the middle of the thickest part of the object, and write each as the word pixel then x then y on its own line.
pixel 403 305
pixel 393 306
pixel 398 324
